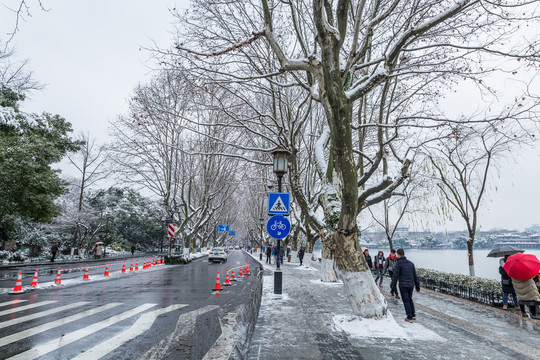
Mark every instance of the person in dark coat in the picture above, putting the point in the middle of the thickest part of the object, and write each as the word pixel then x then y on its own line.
pixel 368 259
pixel 268 255
pixel 301 255
pixel 132 249
pixel 405 273
pixel 378 262
pixel 389 265
pixel 281 254
pixel 54 250
pixel 507 286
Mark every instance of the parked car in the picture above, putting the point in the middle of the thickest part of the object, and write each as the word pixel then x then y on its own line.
pixel 237 247
pixel 217 254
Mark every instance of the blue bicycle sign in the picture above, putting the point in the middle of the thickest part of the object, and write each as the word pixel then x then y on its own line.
pixel 278 227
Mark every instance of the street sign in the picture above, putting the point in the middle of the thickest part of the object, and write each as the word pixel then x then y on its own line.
pixel 278 227
pixel 223 227
pixel 232 232
pixel 171 229
pixel 278 203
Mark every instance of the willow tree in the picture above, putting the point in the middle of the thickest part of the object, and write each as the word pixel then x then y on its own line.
pixel 376 67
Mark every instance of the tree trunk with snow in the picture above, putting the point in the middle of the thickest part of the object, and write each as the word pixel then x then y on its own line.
pixel 328 266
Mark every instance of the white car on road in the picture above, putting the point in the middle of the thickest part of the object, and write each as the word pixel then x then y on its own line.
pixel 217 254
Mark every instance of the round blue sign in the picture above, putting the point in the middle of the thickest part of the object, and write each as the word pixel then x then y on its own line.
pixel 278 227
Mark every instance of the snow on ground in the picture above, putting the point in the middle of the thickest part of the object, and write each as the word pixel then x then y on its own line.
pixel 351 324
pixel 383 328
pixel 92 278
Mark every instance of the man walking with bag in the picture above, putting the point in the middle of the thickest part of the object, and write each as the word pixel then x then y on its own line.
pixel 405 273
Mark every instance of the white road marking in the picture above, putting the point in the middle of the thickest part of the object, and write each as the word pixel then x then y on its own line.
pixel 12 302
pixel 51 325
pixel 223 346
pixel 186 322
pixel 41 314
pixel 79 334
pixel 142 324
pixel 25 307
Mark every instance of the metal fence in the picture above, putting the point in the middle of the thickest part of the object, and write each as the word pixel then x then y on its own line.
pixel 493 298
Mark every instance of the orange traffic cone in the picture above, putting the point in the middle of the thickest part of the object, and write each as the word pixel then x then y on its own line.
pixel 124 268
pixel 18 285
pixel 227 282
pixel 247 269
pixel 106 270
pixel 58 280
pixel 137 265
pixel 86 277
pixel 218 284
pixel 34 283
pixel 131 267
pixel 233 278
pixel 240 273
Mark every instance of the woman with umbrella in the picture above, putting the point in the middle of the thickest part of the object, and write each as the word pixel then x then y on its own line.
pixel 523 268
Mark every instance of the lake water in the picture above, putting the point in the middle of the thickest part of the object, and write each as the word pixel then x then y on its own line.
pixel 455 261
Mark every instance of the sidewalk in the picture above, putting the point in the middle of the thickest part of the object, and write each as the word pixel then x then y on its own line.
pixel 313 320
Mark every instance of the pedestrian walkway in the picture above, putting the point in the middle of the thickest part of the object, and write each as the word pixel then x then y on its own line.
pixel 313 320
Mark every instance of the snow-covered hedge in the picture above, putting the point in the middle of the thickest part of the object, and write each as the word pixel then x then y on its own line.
pixel 474 288
pixel 8 256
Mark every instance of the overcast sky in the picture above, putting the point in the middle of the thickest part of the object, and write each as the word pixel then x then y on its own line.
pixel 88 54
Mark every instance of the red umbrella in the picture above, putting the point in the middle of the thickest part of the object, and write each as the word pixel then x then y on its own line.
pixel 522 266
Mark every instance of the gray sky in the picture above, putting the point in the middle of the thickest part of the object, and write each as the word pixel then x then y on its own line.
pixel 88 55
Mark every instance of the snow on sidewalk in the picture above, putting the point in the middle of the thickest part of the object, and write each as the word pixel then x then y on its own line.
pixel 313 320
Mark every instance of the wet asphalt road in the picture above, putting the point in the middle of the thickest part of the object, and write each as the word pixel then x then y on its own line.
pixel 166 312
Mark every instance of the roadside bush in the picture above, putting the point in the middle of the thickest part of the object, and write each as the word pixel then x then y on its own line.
pixel 17 256
pixel 474 288
pixel 174 260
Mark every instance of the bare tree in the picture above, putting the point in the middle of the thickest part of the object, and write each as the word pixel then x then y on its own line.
pixel 372 66
pixel 90 163
pixel 462 164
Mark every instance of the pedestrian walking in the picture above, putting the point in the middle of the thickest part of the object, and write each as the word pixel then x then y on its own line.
pixel 281 254
pixel 268 254
pixel 275 254
pixel 54 250
pixel 301 254
pixel 132 249
pixel 99 251
pixel 379 267
pixel 507 286
pixel 368 259
pixel 389 266
pixel 405 274
pixel 288 254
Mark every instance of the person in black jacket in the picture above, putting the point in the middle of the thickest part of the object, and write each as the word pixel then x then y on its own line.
pixel 507 286
pixel 405 273
pixel 368 260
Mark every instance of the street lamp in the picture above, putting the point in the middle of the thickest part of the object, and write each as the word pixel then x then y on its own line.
pixel 261 220
pixel 280 169
pixel 107 215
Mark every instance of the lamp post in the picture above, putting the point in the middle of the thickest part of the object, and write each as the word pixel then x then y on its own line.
pixel 107 215
pixel 280 169
pixel 162 233
pixel 261 220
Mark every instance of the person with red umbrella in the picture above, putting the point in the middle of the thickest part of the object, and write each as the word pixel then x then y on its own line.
pixel 523 269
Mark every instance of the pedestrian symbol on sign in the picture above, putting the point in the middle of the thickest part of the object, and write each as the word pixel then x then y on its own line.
pixel 278 203
pixel 278 206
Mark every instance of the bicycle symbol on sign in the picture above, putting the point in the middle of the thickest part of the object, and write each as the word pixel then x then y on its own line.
pixel 278 225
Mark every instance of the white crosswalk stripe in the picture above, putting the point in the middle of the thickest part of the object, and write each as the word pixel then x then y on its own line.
pixel 142 324
pixel 79 334
pixel 51 325
pixel 26 307
pixel 41 314
pixel 12 302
